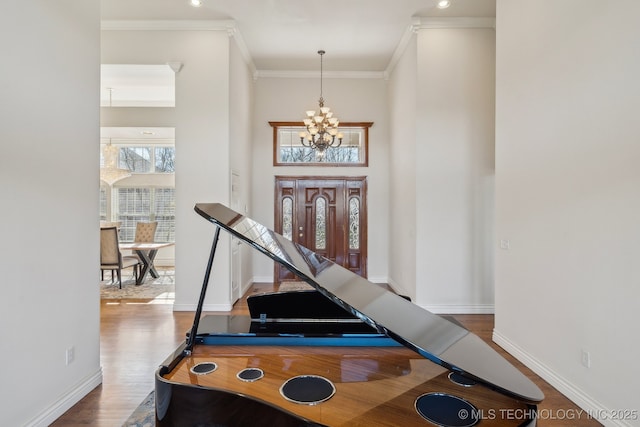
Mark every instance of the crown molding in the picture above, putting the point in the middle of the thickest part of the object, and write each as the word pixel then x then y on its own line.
pixel 242 47
pixel 227 25
pixel 418 23
pixel 402 46
pixel 316 74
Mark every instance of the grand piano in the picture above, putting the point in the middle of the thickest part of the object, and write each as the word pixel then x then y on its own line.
pixel 346 352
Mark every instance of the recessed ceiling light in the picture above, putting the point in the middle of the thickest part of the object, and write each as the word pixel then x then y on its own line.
pixel 195 3
pixel 443 4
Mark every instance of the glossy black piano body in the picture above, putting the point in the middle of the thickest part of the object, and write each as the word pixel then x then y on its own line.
pixel 361 318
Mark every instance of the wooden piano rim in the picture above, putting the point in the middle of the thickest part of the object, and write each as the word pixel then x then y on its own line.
pixel 350 404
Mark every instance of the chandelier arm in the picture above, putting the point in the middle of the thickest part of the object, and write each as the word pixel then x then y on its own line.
pixel 302 141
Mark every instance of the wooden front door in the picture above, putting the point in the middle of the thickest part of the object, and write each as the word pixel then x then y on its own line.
pixel 325 214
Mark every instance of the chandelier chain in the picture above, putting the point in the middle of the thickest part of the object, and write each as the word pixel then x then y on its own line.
pixel 321 102
pixel 322 127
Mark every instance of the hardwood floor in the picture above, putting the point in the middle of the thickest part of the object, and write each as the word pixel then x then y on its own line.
pixel 136 336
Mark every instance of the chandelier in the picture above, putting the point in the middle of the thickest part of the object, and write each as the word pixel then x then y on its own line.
pixel 322 128
pixel 111 173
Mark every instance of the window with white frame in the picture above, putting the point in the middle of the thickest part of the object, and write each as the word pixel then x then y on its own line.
pixel 146 204
pixel 148 195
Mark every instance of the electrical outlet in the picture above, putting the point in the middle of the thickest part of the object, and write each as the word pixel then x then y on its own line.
pixel 504 244
pixel 586 359
pixel 70 355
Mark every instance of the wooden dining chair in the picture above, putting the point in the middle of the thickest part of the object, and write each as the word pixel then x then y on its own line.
pixel 111 258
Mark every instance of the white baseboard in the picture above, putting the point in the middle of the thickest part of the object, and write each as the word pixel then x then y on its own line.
pixel 53 412
pixel 205 307
pixel 590 405
pixel 438 308
pixel 383 280
pixel 460 308
pixel 269 279
pixel 244 288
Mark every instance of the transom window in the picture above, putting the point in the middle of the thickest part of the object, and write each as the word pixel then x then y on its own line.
pixel 145 159
pixel 288 150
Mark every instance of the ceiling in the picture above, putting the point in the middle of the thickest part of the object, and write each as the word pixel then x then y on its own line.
pixel 357 35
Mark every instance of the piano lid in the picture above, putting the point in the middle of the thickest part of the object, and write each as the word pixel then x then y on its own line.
pixel 432 336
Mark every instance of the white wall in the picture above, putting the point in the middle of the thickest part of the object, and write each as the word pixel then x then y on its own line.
pixel 241 120
pixel 454 173
pixel 567 195
pixel 49 179
pixel 201 120
pixel 352 100
pixel 402 176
